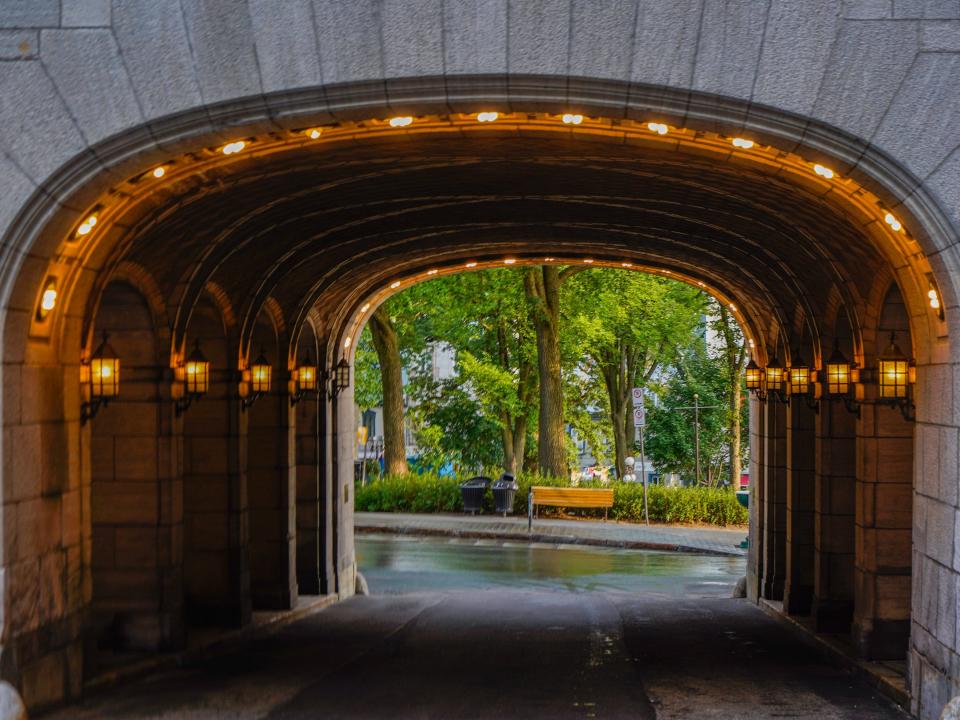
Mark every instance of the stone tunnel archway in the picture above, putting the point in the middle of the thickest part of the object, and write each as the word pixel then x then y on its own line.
pixel 320 218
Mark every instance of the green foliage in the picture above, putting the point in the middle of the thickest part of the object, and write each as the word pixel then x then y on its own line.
pixel 429 493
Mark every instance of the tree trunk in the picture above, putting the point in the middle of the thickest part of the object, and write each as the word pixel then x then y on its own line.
pixel 543 289
pixel 391 377
pixel 736 354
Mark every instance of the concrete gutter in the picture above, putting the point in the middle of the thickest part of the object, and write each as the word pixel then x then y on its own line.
pixel 545 539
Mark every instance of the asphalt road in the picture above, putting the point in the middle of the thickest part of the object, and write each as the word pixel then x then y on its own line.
pixel 508 653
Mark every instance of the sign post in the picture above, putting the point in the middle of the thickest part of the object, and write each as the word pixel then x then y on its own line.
pixel 639 421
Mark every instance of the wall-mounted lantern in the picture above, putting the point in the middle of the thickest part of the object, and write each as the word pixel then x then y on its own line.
pixel 894 377
pixel 754 378
pixel 341 378
pixel 800 385
pixel 304 379
pixel 260 373
pixel 196 379
pixel 102 376
pixel 841 380
pixel 776 379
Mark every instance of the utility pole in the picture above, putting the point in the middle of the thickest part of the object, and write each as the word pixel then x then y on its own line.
pixel 696 407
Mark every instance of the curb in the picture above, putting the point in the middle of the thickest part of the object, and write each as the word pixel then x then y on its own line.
pixel 843 657
pixel 213 647
pixel 539 538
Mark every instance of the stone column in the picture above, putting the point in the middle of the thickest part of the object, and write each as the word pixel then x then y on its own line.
pixel 308 495
pixel 884 513
pixel 271 489
pixel 801 482
pixel 835 492
pixel 327 484
pixel 774 499
pixel 756 534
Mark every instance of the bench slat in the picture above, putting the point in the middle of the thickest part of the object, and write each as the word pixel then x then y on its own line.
pixel 573 497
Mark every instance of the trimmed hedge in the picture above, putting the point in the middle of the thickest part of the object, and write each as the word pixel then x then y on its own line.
pixel 428 494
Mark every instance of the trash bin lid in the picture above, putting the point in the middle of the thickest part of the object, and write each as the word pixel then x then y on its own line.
pixel 478 481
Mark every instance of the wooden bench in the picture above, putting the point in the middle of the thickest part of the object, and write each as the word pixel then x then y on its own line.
pixel 568 497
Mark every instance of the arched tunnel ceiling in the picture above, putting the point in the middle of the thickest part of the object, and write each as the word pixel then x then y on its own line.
pixel 351 215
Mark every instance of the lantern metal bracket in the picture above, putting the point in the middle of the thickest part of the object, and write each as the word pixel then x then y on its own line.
pixel 89 410
pixel 851 405
pixel 812 403
pixel 904 405
pixel 182 404
pixel 247 402
pixel 300 394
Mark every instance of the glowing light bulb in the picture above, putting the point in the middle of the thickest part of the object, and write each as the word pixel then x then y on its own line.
pixel 751 343
pixel 487 116
pixel 346 341
pixel 823 171
pixel 733 307
pixel 934 298
pixel 471 264
pixel 626 264
pixel 395 284
pixel 49 299
pixel 400 121
pixel 434 271
pixel 159 172
pixel 314 134
pixel 658 128
pixel 892 221
pixel 549 259
pixel 589 261
pixel 365 307
pixel 84 228
pixel 509 261
pixel 234 147
pixel 742 143
pixel 569 119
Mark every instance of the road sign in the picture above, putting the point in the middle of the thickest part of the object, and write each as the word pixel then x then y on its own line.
pixel 637 397
pixel 639 416
pixel 362 434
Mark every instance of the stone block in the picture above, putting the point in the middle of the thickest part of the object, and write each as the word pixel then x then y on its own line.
pixel 38 527
pixel 728 50
pixel 666 42
pixel 86 68
pixel 129 503
pixel 41 682
pixel 135 458
pixel 926 9
pixel 224 53
pixel 31 113
pixel 24 589
pixel 287 49
pixel 927 105
pixel 19 44
pixel 136 547
pixel 940 36
pixel 941 520
pixel 601 38
pixel 349 39
pixel 153 35
pixel 538 32
pixel 867 9
pixel 29 13
pixel 206 455
pixel 412 37
pixel 205 493
pixel 475 36
pixel 207 532
pixel 867 64
pixel 85 13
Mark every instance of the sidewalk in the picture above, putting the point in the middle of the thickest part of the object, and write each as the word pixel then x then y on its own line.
pixel 714 541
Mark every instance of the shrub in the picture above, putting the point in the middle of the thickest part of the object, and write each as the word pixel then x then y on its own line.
pixel 429 493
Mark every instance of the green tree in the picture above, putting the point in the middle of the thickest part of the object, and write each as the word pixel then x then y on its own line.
pixel 630 325
pixel 734 353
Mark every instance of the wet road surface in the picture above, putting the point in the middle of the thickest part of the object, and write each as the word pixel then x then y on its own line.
pixel 399 564
pixel 552 650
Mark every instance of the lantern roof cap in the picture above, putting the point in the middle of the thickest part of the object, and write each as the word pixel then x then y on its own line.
pixel 197 355
pixel 105 350
pixel 893 351
pixel 837 357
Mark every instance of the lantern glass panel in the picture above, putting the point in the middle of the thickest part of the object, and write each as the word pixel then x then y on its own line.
pixel 799 380
pixel 197 374
pixel 343 375
pixel 894 375
pixel 307 377
pixel 104 372
pixel 775 375
pixel 838 378
pixel 754 376
pixel 260 373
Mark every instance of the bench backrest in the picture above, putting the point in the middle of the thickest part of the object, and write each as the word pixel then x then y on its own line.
pixel 572 497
